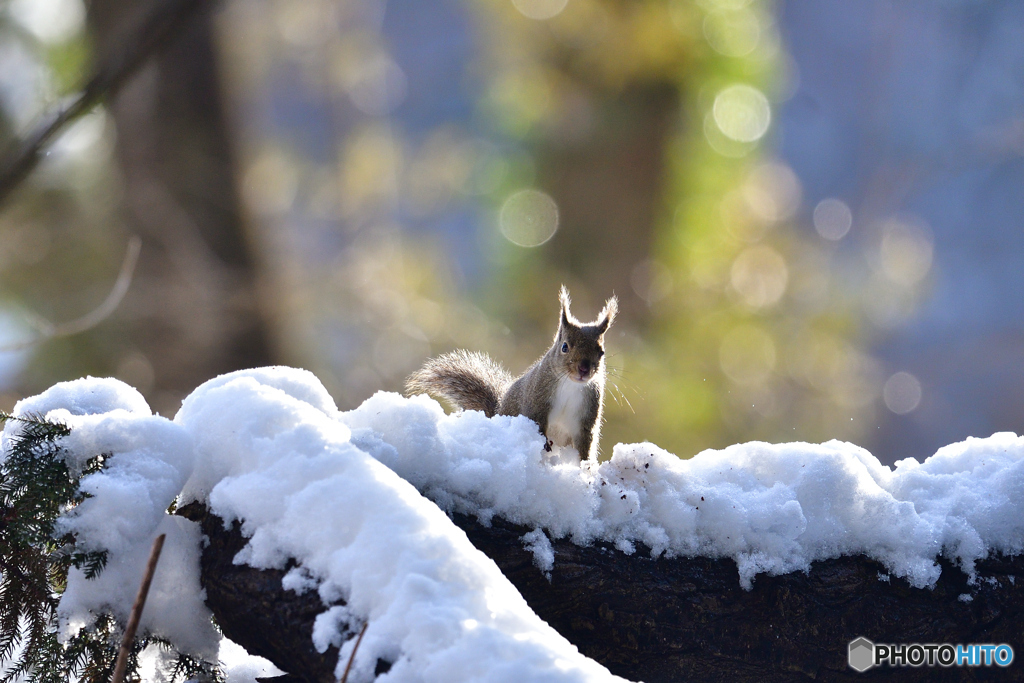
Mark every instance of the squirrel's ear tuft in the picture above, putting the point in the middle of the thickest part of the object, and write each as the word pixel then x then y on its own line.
pixel 607 317
pixel 563 299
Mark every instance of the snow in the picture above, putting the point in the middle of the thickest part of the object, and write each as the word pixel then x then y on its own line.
pixel 150 460
pixel 266 447
pixel 271 452
pixel 238 666
pixel 539 544
pixel 773 508
pixel 359 500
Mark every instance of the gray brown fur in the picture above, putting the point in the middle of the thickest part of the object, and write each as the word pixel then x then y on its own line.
pixel 472 381
pixel 468 380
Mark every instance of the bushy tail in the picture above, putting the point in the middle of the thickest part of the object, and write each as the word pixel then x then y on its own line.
pixel 471 381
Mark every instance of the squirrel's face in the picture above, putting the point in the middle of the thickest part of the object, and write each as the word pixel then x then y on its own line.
pixel 579 348
pixel 580 352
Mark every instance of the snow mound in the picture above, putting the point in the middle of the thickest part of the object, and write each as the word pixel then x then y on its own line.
pixel 773 508
pixel 349 497
pixel 272 453
pixel 149 458
pixel 87 396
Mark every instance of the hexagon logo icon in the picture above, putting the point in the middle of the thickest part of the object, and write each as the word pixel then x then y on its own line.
pixel 862 654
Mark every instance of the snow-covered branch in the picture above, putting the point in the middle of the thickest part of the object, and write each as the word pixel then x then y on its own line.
pixel 347 513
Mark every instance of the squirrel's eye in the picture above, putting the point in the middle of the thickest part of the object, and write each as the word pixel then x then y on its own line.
pixel 565 347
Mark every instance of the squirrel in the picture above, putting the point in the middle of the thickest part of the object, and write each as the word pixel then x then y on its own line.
pixel 563 391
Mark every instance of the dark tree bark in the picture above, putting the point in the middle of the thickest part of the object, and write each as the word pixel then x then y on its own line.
pixel 254 611
pixel 672 620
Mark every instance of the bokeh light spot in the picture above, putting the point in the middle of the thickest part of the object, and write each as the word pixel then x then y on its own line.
pixel 722 143
pixel 136 370
pixel 529 218
pixel 759 275
pixel 747 355
pixel 270 183
pixel 51 21
pixel 742 113
pixel 379 87
pixel 371 164
pixel 902 393
pixel 723 5
pixel 773 192
pixel 832 219
pixel 540 9
pixel 651 280
pixel 906 252
pixel 888 305
pixel 733 34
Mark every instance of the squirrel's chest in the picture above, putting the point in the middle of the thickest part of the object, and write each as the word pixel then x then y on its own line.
pixel 565 420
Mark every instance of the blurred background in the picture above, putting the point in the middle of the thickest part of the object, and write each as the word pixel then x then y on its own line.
pixel 810 210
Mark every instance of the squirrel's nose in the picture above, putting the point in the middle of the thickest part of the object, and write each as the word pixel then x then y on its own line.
pixel 584 367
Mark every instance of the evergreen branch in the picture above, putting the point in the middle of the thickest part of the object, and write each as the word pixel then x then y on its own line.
pixel 186 667
pixel 36 488
pixel 91 563
pixel 39 422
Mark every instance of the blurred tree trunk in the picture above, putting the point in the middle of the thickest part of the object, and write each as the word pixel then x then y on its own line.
pixel 192 310
pixel 609 188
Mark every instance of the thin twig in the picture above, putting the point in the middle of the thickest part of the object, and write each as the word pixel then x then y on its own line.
pixel 159 28
pixel 48 330
pixel 140 602
pixel 352 657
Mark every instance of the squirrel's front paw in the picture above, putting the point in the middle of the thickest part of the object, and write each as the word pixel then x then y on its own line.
pixel 548 445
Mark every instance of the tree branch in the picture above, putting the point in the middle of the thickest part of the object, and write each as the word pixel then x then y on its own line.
pixel 140 604
pixel 683 619
pixel 47 330
pixel 156 30
pixel 253 610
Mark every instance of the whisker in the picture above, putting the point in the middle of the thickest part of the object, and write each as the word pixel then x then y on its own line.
pixel 618 396
pixel 623 397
